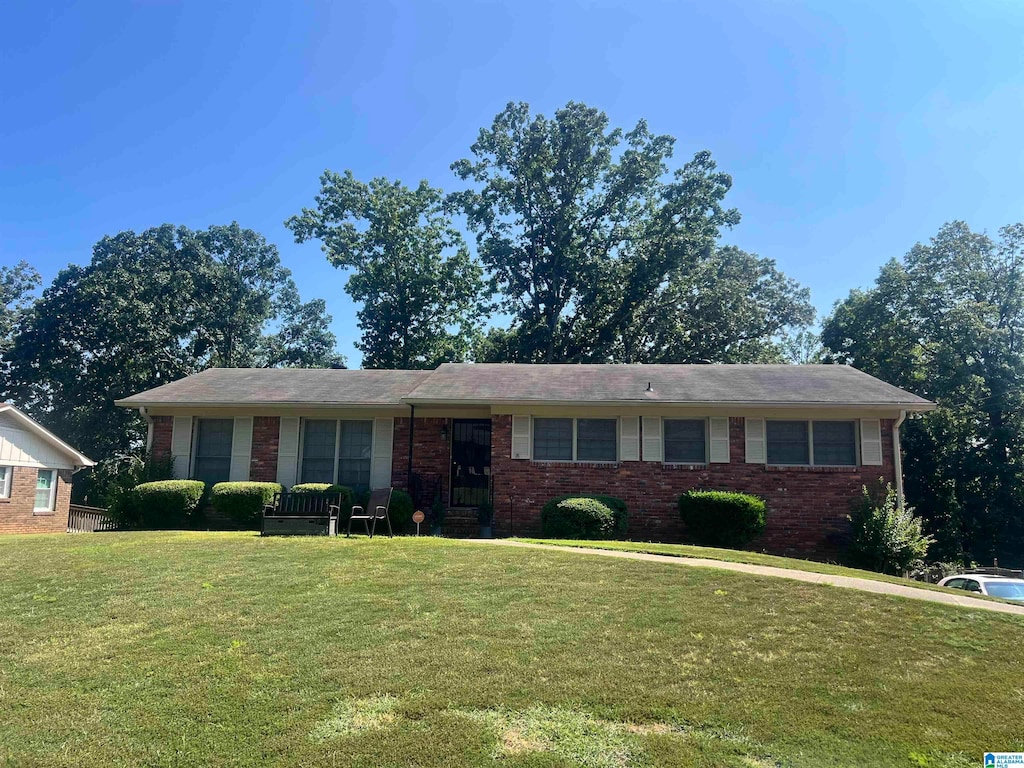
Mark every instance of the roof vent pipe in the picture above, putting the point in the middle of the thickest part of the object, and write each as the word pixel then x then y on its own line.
pixel 649 387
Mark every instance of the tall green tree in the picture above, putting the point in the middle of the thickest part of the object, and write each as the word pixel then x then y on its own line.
pixel 149 308
pixel 595 251
pixel 947 322
pixel 16 286
pixel 410 269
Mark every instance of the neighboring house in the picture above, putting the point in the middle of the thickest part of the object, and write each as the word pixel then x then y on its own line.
pixel 35 475
pixel 806 438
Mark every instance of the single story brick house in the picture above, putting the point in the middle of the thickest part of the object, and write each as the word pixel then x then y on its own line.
pixel 35 475
pixel 805 438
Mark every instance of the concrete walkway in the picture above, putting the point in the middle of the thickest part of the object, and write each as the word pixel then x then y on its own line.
pixel 849 582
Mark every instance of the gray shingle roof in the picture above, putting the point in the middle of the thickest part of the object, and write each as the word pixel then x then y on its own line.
pixel 761 384
pixel 283 386
pixel 504 383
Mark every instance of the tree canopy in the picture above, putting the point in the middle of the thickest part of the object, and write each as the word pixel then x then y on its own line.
pixel 947 322
pixel 16 286
pixel 598 254
pixel 149 308
pixel 420 290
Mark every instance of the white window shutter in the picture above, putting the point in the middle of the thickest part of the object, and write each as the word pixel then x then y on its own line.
pixel 719 429
pixel 241 449
pixel 652 438
pixel 755 452
pixel 181 446
pixel 288 451
pixel 629 438
pixel 380 463
pixel 521 437
pixel 871 442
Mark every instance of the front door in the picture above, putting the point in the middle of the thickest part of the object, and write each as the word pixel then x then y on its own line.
pixel 471 462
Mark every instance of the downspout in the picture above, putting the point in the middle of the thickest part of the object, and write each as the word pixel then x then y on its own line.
pixel 898 457
pixel 408 477
pixel 149 427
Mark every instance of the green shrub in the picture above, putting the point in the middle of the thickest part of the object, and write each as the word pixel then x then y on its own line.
pixel 109 484
pixel 400 511
pixel 722 518
pixel 887 538
pixel 579 517
pixel 620 512
pixel 243 502
pixel 167 503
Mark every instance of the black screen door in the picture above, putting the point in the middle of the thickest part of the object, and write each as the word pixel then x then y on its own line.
pixel 471 462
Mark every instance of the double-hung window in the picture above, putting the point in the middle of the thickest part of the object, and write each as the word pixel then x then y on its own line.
pixel 213 450
pixel 575 440
pixel 46 490
pixel 811 443
pixel 5 482
pixel 685 441
pixel 337 452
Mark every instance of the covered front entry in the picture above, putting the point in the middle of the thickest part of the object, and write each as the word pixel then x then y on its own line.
pixel 471 462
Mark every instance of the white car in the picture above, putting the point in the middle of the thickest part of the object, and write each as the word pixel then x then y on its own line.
pixel 994 586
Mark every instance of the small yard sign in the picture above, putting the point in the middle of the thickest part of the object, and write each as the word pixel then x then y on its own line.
pixel 417 517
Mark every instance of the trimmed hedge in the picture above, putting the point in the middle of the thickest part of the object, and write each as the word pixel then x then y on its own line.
pixel 722 518
pixel 167 503
pixel 579 516
pixel 243 502
pixel 620 513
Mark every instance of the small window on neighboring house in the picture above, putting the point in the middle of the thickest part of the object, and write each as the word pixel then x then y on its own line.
pixel 213 450
pixel 835 443
pixel 354 454
pixel 46 490
pixel 596 440
pixel 318 450
pixel 552 439
pixel 684 441
pixel 5 482
pixel 788 442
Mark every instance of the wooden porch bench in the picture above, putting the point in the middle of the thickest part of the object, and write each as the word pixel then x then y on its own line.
pixel 302 514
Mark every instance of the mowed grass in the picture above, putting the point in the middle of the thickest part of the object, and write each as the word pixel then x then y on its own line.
pixel 185 649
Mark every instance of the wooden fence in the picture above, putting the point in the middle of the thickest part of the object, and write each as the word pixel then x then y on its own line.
pixel 82 519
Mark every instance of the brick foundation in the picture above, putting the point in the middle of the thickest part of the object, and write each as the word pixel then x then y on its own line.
pixel 16 515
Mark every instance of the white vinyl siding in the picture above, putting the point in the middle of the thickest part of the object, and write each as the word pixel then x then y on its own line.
pixel 5 482
pixel 871 442
pixel 685 441
pixel 213 450
pixel 46 490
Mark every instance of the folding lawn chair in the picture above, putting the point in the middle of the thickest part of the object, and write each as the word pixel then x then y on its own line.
pixel 376 509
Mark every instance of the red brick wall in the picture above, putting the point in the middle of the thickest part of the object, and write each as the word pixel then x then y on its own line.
pixel 16 515
pixel 266 434
pixel 807 506
pixel 431 454
pixel 163 426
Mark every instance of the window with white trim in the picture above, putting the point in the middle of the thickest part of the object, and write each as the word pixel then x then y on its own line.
pixel 336 451
pixel 685 441
pixel 213 450
pixel 811 443
pixel 576 440
pixel 46 490
pixel 5 482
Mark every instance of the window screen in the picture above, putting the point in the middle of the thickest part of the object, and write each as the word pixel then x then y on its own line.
pixel 5 482
pixel 45 490
pixel 552 439
pixel 596 440
pixel 213 450
pixel 684 441
pixel 354 456
pixel 787 442
pixel 835 443
pixel 318 450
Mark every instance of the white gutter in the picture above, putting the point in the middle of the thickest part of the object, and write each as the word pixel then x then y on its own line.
pixel 898 457
pixel 149 427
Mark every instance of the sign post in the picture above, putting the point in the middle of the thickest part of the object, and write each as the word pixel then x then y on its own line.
pixel 417 517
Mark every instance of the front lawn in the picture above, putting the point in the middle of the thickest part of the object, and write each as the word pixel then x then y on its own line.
pixel 182 649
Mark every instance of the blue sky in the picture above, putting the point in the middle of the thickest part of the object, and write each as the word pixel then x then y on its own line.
pixel 851 130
